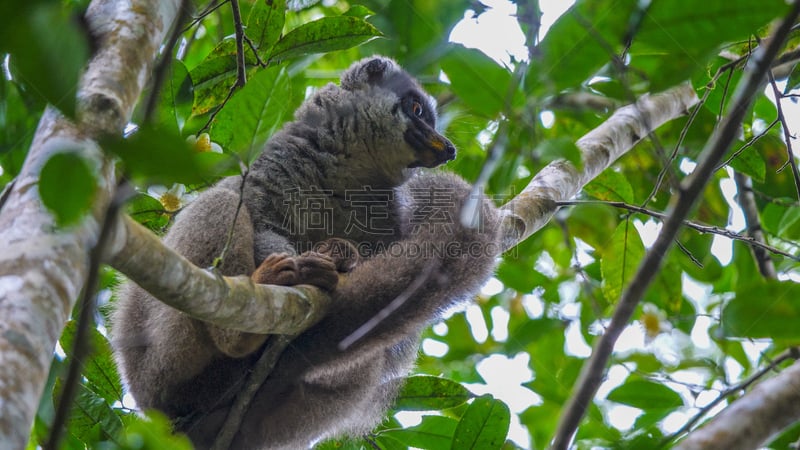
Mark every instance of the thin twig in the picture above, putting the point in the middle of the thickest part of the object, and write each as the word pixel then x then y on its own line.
pixel 241 72
pixel 746 145
pixel 705 229
pixel 787 136
pixel 791 353
pixel 683 202
pixel 244 397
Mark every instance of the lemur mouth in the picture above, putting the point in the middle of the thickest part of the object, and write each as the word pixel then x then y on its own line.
pixel 431 148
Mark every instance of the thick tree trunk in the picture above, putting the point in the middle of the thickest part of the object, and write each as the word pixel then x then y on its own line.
pixel 42 267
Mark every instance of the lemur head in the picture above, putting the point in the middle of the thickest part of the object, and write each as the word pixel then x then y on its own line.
pixel 381 79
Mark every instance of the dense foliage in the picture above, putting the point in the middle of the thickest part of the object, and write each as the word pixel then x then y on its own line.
pixel 713 317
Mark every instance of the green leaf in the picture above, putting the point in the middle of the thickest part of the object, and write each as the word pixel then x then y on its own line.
pixel 177 97
pixel 789 225
pixel 433 433
pixel 148 211
pixel 764 310
pixel 162 157
pixel 750 163
pixel 92 419
pixel 611 186
pixel 678 37
pixel 67 186
pixel 322 36
pixel 478 80
pixel 646 395
pixel 483 426
pixel 793 82
pixel 531 331
pixel 153 432
pixel 519 276
pixel 49 51
pixel 100 370
pixel 265 24
pixel 425 393
pixel 581 41
pixel 214 77
pixel 620 260
pixel 359 11
pixel 253 114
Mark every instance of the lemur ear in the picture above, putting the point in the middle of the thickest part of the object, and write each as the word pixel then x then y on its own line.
pixel 369 71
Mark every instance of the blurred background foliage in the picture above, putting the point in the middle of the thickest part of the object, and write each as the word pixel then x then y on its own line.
pixel 709 321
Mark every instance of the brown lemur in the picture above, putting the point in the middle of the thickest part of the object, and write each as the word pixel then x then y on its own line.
pixel 349 168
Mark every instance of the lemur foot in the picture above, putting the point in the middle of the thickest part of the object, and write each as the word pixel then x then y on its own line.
pixel 311 268
pixel 343 252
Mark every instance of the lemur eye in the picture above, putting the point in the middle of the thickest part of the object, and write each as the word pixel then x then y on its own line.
pixel 417 109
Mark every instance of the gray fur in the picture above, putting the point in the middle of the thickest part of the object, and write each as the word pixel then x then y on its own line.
pixel 342 139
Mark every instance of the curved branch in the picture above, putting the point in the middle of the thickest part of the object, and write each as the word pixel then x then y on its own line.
pixel 231 302
pixel 560 180
pixel 754 419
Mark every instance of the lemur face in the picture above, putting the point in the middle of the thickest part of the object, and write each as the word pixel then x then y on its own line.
pixel 430 147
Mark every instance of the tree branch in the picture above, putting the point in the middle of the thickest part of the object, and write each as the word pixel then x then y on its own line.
pixel 230 302
pixel 43 267
pixel 681 204
pixel 754 419
pixel 560 180
pixel 747 202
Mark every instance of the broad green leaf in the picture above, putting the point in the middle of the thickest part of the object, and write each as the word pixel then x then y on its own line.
pixel 99 370
pixel 153 432
pixel 148 211
pixel 177 97
pixel 162 157
pixel 519 277
pixel 483 426
pixel 48 51
pixel 67 186
pixel 92 419
pixel 265 24
pixel 750 163
pixel 764 310
pixel 479 81
pixel 214 77
pixel 666 290
pixel 789 225
pixel 793 82
pixel 531 331
pixel 323 35
pixel 677 38
pixel 426 393
pixel 253 114
pixel 360 11
pixel 433 433
pixel 611 186
pixel 620 260
pixel 646 395
pixel 581 41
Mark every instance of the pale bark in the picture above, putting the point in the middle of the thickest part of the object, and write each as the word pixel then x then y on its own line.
pixel 754 419
pixel 42 267
pixel 232 302
pixel 561 180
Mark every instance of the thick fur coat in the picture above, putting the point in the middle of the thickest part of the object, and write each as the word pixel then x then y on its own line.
pixel 345 168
